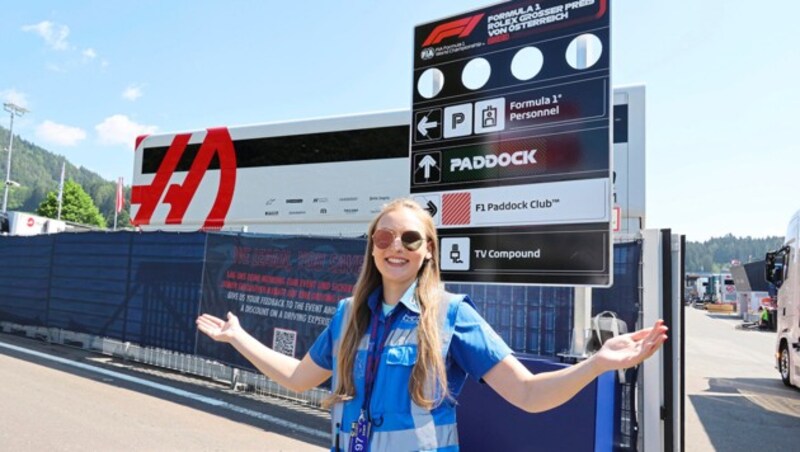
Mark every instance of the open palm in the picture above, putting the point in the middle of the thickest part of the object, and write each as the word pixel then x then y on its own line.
pixel 630 349
pixel 218 329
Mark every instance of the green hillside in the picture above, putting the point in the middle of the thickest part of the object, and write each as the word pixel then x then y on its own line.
pixel 715 254
pixel 38 170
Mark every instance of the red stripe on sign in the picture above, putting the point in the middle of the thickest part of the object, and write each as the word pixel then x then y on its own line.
pixel 456 208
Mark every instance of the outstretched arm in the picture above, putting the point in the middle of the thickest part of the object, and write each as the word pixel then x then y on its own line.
pixel 297 375
pixel 541 392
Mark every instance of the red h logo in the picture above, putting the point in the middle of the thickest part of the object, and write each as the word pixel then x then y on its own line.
pixel 218 141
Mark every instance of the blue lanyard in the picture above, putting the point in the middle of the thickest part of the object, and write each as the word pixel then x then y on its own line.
pixel 361 428
pixel 374 356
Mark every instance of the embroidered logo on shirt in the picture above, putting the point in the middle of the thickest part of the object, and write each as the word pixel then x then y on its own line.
pixel 410 318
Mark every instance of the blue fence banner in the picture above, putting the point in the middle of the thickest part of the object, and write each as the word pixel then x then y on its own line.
pixel 25 279
pixel 163 293
pixel 148 288
pixel 284 289
pixel 130 286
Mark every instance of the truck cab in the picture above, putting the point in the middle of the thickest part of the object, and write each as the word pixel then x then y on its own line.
pixel 783 271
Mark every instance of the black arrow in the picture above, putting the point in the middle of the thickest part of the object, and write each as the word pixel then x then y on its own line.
pixel 432 208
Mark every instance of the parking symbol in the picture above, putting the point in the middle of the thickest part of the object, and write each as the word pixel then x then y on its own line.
pixel 458 121
pixel 490 115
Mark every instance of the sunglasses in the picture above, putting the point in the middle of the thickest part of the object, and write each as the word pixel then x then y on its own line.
pixel 411 240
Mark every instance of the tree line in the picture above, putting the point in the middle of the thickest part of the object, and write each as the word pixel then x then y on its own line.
pixel 38 172
pixel 716 254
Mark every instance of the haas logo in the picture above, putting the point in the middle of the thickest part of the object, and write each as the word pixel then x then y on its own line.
pixel 178 196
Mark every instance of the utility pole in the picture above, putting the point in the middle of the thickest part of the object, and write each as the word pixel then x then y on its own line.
pixel 13 110
pixel 61 189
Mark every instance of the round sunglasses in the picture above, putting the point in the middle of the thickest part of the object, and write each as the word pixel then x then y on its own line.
pixel 411 240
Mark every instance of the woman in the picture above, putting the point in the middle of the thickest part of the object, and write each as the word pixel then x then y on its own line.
pixel 399 350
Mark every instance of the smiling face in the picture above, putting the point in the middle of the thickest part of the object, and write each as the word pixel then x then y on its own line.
pixel 398 265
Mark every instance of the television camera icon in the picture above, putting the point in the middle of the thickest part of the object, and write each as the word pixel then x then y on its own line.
pixel 455 254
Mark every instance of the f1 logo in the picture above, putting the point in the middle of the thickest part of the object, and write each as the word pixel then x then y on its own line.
pixel 461 28
pixel 218 141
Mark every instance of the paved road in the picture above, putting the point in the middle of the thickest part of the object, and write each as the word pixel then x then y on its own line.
pixel 53 406
pixel 735 400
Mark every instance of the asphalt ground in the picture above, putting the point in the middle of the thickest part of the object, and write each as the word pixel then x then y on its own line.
pixel 65 406
pixel 735 399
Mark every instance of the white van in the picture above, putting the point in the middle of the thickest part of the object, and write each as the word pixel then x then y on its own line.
pixel 783 271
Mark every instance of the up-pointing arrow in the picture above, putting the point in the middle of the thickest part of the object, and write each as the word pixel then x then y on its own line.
pixel 427 163
pixel 424 125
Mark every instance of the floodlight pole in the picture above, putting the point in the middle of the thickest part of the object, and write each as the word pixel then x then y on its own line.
pixel 13 110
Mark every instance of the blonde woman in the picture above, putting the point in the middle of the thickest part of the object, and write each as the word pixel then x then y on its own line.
pixel 400 349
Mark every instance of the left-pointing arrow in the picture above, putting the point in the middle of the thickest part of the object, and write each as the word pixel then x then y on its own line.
pixel 424 125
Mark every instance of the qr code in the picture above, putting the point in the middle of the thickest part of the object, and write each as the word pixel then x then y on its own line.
pixel 284 341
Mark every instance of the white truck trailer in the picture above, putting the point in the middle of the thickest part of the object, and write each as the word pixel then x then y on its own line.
pixel 783 270
pixel 21 223
pixel 320 176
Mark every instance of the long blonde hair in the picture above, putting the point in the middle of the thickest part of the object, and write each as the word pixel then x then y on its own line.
pixel 428 383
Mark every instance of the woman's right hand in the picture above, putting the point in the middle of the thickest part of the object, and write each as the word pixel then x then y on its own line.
pixel 218 329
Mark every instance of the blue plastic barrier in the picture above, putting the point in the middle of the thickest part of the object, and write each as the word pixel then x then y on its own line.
pixel 585 423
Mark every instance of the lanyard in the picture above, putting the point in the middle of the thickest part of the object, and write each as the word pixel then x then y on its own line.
pixel 374 356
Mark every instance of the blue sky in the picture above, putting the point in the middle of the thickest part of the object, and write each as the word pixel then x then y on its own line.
pixel 721 80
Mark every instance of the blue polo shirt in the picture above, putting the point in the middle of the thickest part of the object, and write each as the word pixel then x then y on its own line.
pixel 471 348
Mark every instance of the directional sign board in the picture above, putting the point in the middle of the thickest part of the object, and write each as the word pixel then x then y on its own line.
pixel 511 141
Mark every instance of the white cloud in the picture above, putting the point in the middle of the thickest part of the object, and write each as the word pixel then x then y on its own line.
pixel 119 129
pixel 59 134
pixel 89 54
pixel 132 92
pixel 52 67
pixel 15 97
pixel 53 34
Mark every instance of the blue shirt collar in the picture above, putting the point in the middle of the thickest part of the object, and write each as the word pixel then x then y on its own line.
pixel 408 299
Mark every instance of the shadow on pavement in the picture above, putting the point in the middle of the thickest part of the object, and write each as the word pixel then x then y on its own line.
pixel 724 316
pixel 741 414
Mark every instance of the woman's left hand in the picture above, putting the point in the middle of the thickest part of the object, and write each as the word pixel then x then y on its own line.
pixel 628 350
